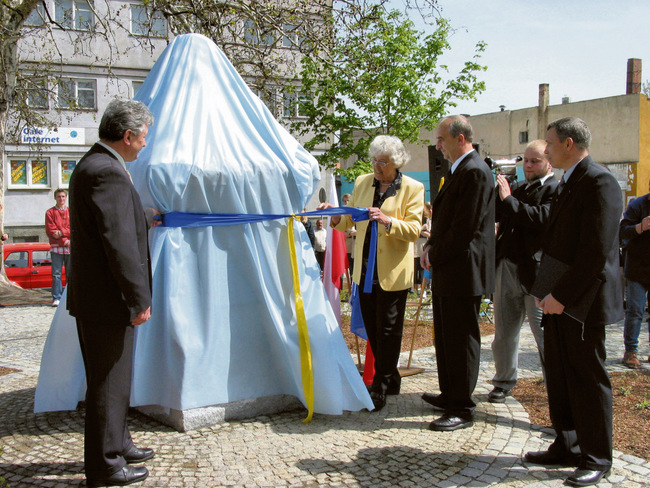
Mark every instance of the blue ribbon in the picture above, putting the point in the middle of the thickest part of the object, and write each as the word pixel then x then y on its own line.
pixel 189 219
pixel 372 257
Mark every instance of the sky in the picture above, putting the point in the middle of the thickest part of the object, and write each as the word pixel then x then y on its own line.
pixel 579 47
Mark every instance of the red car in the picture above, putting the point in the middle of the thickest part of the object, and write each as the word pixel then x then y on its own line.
pixel 28 264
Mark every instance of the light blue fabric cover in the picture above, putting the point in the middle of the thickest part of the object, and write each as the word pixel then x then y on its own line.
pixel 223 325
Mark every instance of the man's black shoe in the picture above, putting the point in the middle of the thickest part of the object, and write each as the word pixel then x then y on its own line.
pixel 378 400
pixel 436 401
pixel 447 423
pixel 125 476
pixel 586 477
pixel 137 455
pixel 498 395
pixel 547 458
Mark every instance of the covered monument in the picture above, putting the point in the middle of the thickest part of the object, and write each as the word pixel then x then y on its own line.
pixel 223 326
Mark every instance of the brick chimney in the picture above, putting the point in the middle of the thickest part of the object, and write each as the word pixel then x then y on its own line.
pixel 542 110
pixel 633 76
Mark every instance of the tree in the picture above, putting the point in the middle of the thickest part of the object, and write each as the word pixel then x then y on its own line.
pixel 381 76
pixel 35 45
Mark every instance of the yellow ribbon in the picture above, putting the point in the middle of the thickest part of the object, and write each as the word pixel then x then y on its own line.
pixel 442 182
pixel 303 333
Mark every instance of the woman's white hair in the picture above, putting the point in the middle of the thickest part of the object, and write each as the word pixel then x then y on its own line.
pixel 390 146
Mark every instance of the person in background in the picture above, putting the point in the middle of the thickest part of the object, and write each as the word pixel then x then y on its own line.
pixel 309 228
pixel 635 236
pixel 418 248
pixel 521 212
pixel 395 202
pixel 460 255
pixel 350 235
pixel 3 237
pixel 320 243
pixel 57 228
pixel 582 235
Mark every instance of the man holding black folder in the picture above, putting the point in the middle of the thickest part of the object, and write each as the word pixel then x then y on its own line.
pixel 582 242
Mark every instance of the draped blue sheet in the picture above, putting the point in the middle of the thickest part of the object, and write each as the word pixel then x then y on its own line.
pixel 223 325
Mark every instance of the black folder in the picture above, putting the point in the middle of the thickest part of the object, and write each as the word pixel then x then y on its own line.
pixel 549 272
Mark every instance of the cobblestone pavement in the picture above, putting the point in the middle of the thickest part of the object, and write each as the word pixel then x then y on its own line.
pixel 358 449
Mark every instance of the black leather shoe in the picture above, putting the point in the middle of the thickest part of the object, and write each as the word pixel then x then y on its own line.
pixel 547 458
pixel 498 395
pixel 435 401
pixel 378 400
pixel 125 476
pixel 137 455
pixel 586 477
pixel 448 423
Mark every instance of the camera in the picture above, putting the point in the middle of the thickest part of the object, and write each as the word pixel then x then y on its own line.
pixel 505 167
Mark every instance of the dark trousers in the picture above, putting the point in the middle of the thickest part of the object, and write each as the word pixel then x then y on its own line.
pixel 458 350
pixel 579 391
pixel 383 318
pixel 107 351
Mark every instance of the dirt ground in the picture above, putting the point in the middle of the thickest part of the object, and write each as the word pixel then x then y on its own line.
pixel 631 391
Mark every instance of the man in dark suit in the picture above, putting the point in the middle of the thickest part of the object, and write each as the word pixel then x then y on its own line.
pixel 522 212
pixel 582 233
pixel 109 291
pixel 460 255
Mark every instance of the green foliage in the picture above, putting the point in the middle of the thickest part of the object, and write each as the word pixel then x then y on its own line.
pixel 625 390
pixel 643 405
pixel 379 76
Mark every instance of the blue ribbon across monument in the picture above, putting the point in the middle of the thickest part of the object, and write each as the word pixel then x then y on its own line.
pixel 188 219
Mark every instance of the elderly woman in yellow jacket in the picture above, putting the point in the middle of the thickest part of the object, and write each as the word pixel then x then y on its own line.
pixel 395 201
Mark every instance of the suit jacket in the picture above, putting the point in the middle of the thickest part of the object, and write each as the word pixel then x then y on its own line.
pixel 582 231
pixel 394 249
pixel 522 217
pixel 462 231
pixel 637 246
pixel 110 277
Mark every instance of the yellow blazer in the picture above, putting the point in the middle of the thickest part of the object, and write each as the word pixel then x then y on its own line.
pixel 394 249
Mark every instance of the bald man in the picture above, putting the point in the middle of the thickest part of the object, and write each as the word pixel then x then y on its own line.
pixel 521 212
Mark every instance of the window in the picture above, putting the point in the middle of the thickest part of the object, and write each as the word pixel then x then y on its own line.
pixel 77 94
pixel 37 17
pixel 37 96
pixel 268 96
pixel 523 137
pixel 74 14
pixel 29 173
pixel 67 167
pixel 18 259
pixel 293 105
pixel 145 22
pixel 291 37
pixel 41 258
pixel 254 35
pixel 136 86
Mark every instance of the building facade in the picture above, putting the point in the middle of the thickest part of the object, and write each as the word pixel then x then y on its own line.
pixel 104 50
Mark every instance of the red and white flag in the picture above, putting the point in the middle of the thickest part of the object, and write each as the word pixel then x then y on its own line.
pixel 336 257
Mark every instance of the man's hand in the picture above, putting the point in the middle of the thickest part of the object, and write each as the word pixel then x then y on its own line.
pixel 142 317
pixel 57 234
pixel 155 221
pixel 424 259
pixel 550 305
pixel 504 187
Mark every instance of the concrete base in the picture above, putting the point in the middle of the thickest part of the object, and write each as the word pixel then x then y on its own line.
pixel 186 420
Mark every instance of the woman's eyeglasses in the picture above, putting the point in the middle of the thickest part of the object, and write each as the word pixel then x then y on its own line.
pixel 381 164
